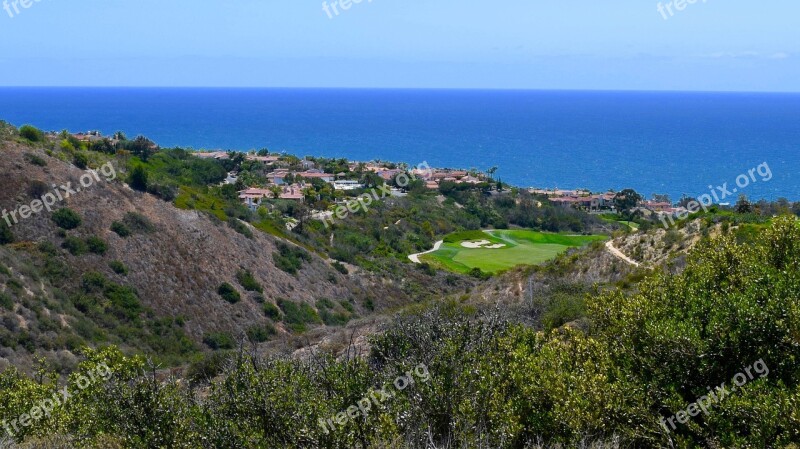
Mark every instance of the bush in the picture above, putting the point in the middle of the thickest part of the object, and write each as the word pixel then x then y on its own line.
pixel 6 302
pixel 164 191
pixel 296 316
pixel 290 259
pixel 66 218
pixel 240 227
pixel 93 281
pixel 81 160
pixel 137 222
pixel 340 268
pixel 246 279
pixel 36 160
pixel 118 267
pixel 97 245
pixel 229 293
pixel 261 333
pixel 36 188
pixel 31 133
pixel 272 311
pixel 219 340
pixel 120 229
pixel 6 236
pixel 75 246
pixel 138 179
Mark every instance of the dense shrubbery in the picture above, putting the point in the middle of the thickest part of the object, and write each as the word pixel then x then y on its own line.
pixel 289 258
pixel 31 133
pixel 229 293
pixel 66 218
pixel 492 383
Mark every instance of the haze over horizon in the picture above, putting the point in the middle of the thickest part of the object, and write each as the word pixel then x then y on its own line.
pixel 629 45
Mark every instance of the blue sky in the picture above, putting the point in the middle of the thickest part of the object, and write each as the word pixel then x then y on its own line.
pixel 728 45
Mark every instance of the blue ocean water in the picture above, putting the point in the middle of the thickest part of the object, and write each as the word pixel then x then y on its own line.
pixel 675 143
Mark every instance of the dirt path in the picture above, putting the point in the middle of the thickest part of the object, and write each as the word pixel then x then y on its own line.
pixel 415 257
pixel 619 254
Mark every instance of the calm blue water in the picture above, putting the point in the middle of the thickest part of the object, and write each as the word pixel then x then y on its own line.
pixel 654 142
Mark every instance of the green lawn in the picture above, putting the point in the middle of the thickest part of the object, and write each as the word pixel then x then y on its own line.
pixel 523 247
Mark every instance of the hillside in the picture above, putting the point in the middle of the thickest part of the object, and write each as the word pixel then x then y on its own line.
pixel 174 263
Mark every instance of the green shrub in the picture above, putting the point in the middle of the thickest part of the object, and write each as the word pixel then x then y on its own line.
pixel 81 160
pixel 97 245
pixel 207 367
pixel 219 340
pixel 37 189
pixel 137 222
pixel 118 267
pixel 246 279
pixel 138 178
pixel 325 303
pixel 340 268
pixel 35 160
pixel 120 229
pixel 125 301
pixel 6 302
pixel 272 311
pixel 31 133
pixel 6 236
pixel 331 318
pixel 238 226
pixel 75 246
pixel 289 258
pixel 261 333
pixel 66 218
pixel 93 281
pixel 229 293
pixel 296 316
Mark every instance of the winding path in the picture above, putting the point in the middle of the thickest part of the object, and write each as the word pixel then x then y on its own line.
pixel 619 254
pixel 415 257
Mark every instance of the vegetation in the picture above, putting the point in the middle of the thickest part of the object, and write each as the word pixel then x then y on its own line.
pixel 290 259
pixel 646 356
pixel 229 293
pixel 66 218
pixel 248 282
pixel 504 249
pixel 298 316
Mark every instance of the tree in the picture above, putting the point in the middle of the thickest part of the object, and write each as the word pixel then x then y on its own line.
pixel 276 191
pixel 743 205
pixel 138 179
pixel 31 133
pixel 626 200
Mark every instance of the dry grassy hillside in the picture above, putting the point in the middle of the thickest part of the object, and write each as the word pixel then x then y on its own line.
pixel 176 267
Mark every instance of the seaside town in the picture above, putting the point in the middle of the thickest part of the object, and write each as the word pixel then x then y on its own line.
pixel 286 184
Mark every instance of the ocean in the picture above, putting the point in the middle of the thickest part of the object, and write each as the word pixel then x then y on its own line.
pixel 654 142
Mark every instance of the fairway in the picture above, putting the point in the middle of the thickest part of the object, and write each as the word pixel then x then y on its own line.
pixel 499 250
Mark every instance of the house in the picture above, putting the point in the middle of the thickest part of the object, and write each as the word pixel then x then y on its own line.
pixel 346 185
pixel 269 160
pixel 317 174
pixel 212 155
pixel 253 197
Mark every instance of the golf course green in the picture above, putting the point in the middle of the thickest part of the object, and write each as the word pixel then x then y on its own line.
pixel 497 250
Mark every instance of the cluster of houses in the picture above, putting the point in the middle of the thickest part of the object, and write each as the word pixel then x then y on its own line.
pixel 290 185
pixel 598 202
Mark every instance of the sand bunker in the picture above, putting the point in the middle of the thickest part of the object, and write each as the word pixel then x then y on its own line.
pixel 482 244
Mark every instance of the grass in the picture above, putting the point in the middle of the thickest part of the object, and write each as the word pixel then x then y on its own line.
pixel 523 247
